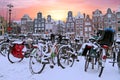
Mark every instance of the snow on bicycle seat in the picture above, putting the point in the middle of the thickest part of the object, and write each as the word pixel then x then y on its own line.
pixel 118 40
pixel 17 42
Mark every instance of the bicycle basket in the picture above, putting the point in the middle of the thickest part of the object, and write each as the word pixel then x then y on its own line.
pixel 17 50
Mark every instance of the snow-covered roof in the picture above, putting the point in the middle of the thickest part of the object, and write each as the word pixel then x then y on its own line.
pixel 26 16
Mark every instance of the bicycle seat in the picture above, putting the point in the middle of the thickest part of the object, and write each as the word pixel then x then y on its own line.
pixel 17 42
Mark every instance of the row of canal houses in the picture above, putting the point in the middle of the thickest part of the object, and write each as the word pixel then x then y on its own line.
pixel 81 26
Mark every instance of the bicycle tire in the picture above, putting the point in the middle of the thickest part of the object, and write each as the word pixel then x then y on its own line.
pixel 114 59
pixel 4 49
pixel 101 71
pixel 13 59
pixel 118 60
pixel 72 62
pixel 64 58
pixel 31 67
pixel 86 63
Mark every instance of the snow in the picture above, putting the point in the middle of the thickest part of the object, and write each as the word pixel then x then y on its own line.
pixel 20 71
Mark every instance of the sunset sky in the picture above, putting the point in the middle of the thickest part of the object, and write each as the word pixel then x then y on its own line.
pixel 56 8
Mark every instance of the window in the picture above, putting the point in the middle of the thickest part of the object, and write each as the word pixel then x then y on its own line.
pixel 119 28
pixel 35 21
pixel 72 30
pixel 39 25
pixel 86 35
pixel 43 20
pixel 109 15
pixel 109 20
pixel 81 21
pixel 35 25
pixel 81 33
pixel 86 29
pixel 81 28
pixel 77 21
pixel 87 23
pixel 68 25
pixel 46 30
pixel 42 24
pixel 0 32
pixel 90 29
pixel 105 20
pixel 119 22
pixel 72 24
pixel 0 27
pixel 77 26
pixel 118 15
pixel 68 30
pixel 50 30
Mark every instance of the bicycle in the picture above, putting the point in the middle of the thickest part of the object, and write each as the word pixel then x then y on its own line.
pixel 117 53
pixel 18 50
pixel 96 56
pixel 114 52
pixel 41 56
pixel 66 55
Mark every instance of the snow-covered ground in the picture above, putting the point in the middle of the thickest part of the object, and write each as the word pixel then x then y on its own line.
pixel 20 71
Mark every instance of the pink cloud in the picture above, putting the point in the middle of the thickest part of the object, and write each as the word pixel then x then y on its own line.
pixel 85 6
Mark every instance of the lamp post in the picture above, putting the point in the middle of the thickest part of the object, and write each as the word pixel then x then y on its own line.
pixel 9 9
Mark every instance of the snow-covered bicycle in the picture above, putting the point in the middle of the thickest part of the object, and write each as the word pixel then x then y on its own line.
pixel 66 55
pixel 18 50
pixel 45 53
pixel 95 54
pixel 116 56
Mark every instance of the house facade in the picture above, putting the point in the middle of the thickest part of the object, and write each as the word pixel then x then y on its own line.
pixel 70 25
pixel 26 24
pixel 39 24
pixel 97 19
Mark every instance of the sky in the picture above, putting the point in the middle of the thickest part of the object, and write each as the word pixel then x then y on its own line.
pixel 56 8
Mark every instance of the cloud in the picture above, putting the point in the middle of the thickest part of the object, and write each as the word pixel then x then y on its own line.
pixel 59 6
pixel 23 3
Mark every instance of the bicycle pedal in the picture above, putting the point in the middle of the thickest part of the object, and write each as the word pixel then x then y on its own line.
pixel 70 60
pixel 64 57
pixel 27 55
pixel 77 60
pixel 45 56
pixel 51 66
pixel 45 62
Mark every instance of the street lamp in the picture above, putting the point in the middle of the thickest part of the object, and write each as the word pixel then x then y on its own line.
pixel 10 9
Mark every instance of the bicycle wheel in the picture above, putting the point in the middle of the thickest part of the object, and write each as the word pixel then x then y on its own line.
pixel 14 59
pixel 64 57
pixel 118 60
pixel 114 59
pixel 101 71
pixel 87 63
pixel 101 61
pixel 36 65
pixel 4 49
